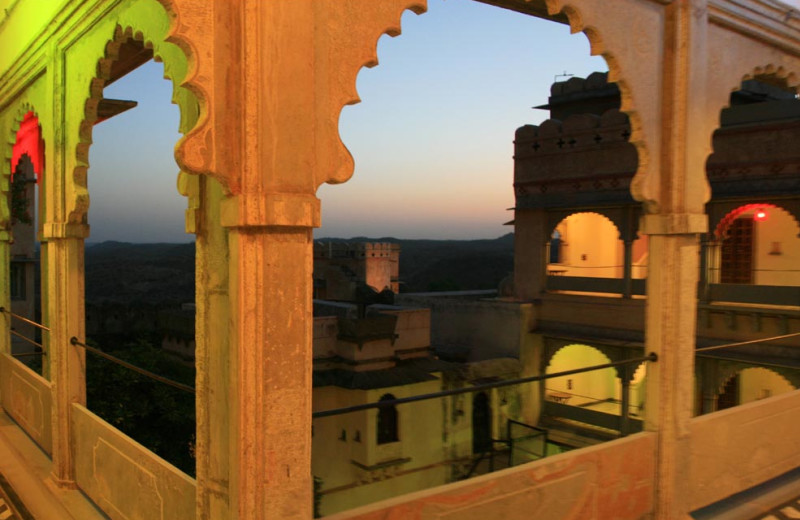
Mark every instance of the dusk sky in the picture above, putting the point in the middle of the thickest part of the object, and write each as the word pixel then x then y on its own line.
pixel 432 137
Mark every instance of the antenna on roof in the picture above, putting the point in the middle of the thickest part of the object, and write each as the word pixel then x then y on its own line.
pixel 564 75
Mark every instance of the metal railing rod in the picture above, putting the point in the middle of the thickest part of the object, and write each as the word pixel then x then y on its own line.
pixel 186 388
pixel 25 338
pixel 25 354
pixel 477 388
pixel 750 342
pixel 26 320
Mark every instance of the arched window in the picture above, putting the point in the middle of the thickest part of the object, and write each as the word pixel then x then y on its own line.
pixel 481 424
pixel 387 421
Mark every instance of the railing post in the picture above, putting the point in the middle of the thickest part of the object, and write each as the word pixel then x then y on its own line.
pixel 65 308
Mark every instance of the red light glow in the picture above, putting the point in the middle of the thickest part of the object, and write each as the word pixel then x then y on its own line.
pixel 761 215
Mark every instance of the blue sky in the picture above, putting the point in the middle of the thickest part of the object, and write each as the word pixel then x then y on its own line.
pixel 432 138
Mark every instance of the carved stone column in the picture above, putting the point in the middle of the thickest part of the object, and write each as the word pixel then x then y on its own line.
pixel 65 283
pixel 670 330
pixel 212 358
pixel 270 343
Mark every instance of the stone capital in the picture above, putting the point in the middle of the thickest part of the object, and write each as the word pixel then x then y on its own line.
pixel 271 210
pixel 63 230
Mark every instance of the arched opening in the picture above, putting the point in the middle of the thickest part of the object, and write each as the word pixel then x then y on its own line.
pixel 751 384
pixel 593 389
pixel 387 426
pixel 588 244
pixel 139 266
pixel 754 205
pixel 481 424
pixel 28 344
pixel 757 243
pixel 433 143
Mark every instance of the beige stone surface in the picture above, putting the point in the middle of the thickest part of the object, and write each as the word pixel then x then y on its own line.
pixel 261 86
pixel 613 480
pixel 741 447
pixel 125 479
pixel 27 397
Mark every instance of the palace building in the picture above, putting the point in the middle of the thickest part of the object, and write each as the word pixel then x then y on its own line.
pixel 691 160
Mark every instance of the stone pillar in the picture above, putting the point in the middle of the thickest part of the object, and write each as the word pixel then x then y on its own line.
pixel 702 289
pixel 708 385
pixel 627 270
pixel 670 330
pixel 625 373
pixel 65 283
pixel 531 354
pixel 5 291
pixel 530 245
pixel 270 342
pixel 212 357
pixel 44 307
pixel 674 226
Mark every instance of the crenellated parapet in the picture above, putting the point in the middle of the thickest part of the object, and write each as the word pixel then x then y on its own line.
pixel 585 159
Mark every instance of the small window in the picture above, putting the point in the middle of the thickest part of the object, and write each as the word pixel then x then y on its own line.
pixel 387 421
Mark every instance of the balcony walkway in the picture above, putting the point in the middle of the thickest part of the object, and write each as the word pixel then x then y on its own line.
pixel 777 499
pixel 26 488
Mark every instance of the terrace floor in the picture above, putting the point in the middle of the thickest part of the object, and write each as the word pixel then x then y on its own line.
pixel 27 491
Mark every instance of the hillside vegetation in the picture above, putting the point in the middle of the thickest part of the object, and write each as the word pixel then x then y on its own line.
pixel 121 272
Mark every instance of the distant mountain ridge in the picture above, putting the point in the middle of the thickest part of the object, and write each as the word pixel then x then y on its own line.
pixel 163 273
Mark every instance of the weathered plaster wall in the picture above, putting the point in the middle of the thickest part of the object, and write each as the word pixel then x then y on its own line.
pixel 594 483
pixel 720 464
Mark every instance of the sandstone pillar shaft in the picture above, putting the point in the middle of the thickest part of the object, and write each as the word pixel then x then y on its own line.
pixel 270 288
pixel 212 359
pixel 65 281
pixel 670 330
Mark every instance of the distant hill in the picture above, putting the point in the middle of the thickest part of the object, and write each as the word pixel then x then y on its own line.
pixel 121 272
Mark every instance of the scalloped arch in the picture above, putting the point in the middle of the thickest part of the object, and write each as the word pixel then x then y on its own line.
pixel 730 370
pixel 556 218
pixel 792 81
pixel 722 226
pixel 597 47
pixel 549 360
pixel 143 26
pixel 23 108
pixel 576 22
pixel 344 170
